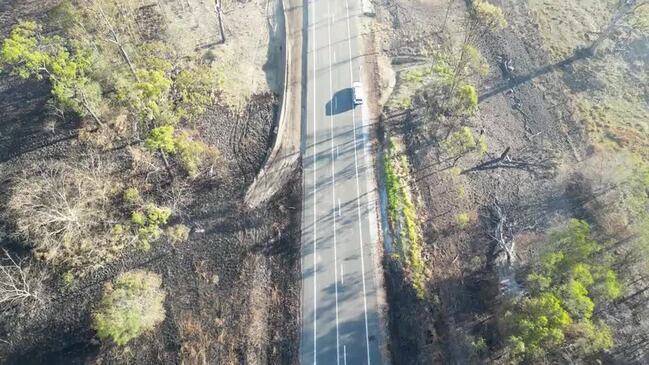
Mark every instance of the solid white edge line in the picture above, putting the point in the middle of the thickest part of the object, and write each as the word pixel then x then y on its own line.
pixel 358 205
pixel 315 202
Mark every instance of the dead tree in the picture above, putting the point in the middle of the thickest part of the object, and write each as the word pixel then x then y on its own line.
pixel 624 11
pixel 115 39
pixel 17 286
pixel 505 161
pixel 503 253
pixel 500 219
pixel 219 14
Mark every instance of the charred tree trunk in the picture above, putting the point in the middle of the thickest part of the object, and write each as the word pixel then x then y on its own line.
pixel 116 40
pixel 166 163
pixel 86 106
pixel 219 14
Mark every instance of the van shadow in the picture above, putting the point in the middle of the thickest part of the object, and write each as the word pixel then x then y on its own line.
pixel 341 102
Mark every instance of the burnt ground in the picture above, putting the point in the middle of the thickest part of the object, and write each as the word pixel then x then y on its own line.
pixel 232 289
pixel 525 110
pixel 238 276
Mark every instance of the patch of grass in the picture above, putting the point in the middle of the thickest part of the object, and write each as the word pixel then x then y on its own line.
pixel 461 191
pixel 178 233
pixel 618 119
pixel 607 92
pixel 410 81
pixel 567 25
pixel 462 219
pixel 402 215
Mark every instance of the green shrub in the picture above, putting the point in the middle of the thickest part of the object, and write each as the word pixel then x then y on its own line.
pixel 132 195
pixel 129 307
pixel 178 233
pixel 479 345
pixel 571 279
pixel 157 215
pixel 68 278
pixel 467 99
pixel 161 138
pixel 193 152
pixel 461 191
pixel 147 226
pixel 138 218
pixel 459 143
pixel 462 142
pixel 491 16
pixel 462 219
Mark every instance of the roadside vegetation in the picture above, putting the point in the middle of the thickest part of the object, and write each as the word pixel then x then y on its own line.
pixel 403 219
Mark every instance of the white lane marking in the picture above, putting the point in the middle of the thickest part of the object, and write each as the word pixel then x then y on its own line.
pixel 340 212
pixel 358 203
pixel 315 201
pixel 342 274
pixel 333 186
pixel 344 355
pixel 337 152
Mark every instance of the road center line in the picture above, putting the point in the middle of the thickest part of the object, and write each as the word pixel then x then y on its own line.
pixel 358 197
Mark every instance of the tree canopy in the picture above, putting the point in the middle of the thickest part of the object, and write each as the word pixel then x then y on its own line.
pixel 572 278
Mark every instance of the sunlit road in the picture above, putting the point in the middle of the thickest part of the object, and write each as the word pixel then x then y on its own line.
pixel 340 323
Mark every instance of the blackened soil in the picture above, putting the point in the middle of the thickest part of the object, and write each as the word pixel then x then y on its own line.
pixel 238 276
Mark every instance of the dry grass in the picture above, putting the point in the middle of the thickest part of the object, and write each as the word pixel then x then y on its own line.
pixel 190 28
pixel 241 59
pixel 196 341
pixel 566 25
pixel 608 91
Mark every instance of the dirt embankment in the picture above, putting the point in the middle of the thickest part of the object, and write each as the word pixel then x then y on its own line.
pixel 232 289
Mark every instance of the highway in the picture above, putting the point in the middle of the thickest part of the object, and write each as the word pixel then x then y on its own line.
pixel 340 322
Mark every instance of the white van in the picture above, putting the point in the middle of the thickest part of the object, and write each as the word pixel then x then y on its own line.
pixel 357 94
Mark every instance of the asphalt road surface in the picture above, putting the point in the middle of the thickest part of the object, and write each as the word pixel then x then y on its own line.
pixel 340 323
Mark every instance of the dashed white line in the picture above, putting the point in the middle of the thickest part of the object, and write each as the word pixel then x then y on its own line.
pixel 333 184
pixel 344 355
pixel 358 204
pixel 342 274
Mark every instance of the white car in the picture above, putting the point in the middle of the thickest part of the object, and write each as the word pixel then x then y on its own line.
pixel 357 93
